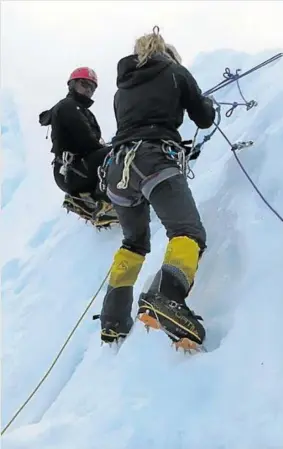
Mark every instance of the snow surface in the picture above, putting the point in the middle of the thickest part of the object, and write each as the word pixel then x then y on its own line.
pixel 13 148
pixel 149 396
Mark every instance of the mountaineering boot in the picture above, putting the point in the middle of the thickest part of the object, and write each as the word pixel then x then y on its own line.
pixel 104 214
pixel 115 317
pixel 116 320
pixel 83 204
pixel 79 206
pixel 100 213
pixel 163 306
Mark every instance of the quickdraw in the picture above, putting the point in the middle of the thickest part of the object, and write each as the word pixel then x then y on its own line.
pixel 176 152
pixel 129 157
pixel 102 171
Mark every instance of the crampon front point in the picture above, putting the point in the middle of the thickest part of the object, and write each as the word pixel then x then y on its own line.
pixel 185 343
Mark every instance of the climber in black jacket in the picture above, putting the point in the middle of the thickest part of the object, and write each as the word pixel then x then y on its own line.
pixel 77 144
pixel 154 91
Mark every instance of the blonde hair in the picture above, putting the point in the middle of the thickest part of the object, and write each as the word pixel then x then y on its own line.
pixel 172 52
pixel 151 44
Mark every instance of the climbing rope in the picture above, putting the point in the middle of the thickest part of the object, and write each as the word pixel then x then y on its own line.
pixel 130 156
pixel 256 188
pixel 230 78
pixel 239 146
pixel 57 356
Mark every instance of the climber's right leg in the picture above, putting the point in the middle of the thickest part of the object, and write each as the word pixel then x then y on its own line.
pixel 163 306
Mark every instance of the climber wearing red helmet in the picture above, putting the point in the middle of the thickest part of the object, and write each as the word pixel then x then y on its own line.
pixel 83 73
pixel 76 144
pixel 84 81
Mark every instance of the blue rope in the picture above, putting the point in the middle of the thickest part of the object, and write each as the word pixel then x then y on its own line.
pixel 231 77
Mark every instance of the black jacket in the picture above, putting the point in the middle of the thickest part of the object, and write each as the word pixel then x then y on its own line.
pixel 151 100
pixel 74 127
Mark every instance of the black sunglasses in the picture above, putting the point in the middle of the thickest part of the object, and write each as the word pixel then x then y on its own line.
pixel 87 84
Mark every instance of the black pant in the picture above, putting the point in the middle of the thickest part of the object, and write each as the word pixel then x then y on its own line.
pixel 157 181
pixel 75 183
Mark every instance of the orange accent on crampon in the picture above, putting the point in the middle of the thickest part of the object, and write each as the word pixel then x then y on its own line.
pixel 187 345
pixel 149 321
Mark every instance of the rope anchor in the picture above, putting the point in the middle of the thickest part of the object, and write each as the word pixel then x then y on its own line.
pixel 241 145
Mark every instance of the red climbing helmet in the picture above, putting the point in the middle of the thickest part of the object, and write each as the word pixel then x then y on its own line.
pixel 83 73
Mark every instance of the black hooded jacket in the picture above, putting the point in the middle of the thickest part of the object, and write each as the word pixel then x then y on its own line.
pixel 74 127
pixel 151 100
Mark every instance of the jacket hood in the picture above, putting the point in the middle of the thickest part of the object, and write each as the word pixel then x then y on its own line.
pixel 129 75
pixel 45 117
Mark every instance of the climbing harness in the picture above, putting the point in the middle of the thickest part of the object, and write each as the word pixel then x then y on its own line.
pixel 67 164
pixel 67 159
pixel 173 151
pixel 229 78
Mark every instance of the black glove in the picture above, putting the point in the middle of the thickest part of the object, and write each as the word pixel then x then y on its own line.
pixel 191 154
pixel 187 145
pixel 195 153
